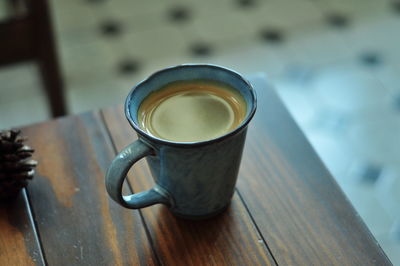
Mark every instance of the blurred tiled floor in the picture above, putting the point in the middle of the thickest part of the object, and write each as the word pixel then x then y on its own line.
pixel 336 64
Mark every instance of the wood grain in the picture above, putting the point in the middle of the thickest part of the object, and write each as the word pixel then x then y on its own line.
pixel 19 243
pixel 229 239
pixel 297 205
pixel 287 210
pixel 77 221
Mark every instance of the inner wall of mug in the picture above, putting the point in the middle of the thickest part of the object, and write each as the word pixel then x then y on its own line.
pixel 188 72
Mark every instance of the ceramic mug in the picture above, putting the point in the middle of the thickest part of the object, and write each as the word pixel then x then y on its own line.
pixel 194 179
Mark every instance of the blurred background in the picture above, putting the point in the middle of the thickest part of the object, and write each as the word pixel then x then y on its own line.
pixel 335 64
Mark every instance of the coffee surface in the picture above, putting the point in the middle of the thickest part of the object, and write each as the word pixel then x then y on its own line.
pixel 190 111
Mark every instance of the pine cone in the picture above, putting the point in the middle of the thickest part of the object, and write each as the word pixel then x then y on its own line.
pixel 16 166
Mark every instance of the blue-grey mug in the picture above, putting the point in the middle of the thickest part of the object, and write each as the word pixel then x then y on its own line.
pixel 194 179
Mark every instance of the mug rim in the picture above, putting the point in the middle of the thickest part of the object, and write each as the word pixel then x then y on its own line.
pixel 233 132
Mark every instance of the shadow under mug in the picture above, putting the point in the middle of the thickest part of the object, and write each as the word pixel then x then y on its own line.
pixel 194 179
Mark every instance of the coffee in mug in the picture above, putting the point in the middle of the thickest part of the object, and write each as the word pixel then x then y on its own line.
pixel 189 111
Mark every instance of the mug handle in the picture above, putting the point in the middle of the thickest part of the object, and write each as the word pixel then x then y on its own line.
pixel 116 175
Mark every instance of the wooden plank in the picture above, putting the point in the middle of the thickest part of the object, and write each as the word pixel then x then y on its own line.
pixel 77 222
pixel 229 239
pixel 297 205
pixel 19 243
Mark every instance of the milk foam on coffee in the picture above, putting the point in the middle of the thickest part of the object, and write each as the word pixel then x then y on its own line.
pixel 190 111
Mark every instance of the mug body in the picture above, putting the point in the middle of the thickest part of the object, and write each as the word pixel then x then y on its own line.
pixel 200 180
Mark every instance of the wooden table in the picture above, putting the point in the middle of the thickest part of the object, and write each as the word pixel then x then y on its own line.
pixel 287 209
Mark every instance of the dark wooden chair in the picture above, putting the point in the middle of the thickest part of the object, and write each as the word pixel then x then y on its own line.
pixel 27 36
